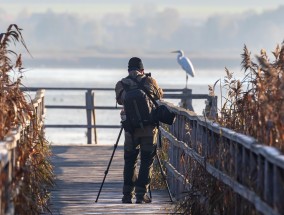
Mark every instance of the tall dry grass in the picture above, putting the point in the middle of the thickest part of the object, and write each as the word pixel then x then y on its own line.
pixel 254 105
pixel 34 174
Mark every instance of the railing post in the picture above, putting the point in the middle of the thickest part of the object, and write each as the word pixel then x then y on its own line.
pixel 89 111
pixel 211 107
pixel 278 189
pixel 186 101
pixel 94 117
pixel 268 182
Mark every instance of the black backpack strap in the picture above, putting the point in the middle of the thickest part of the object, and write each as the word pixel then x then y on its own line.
pixel 121 91
pixel 125 87
pixel 142 87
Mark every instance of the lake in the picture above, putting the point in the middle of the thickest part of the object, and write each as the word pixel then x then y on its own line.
pixel 94 78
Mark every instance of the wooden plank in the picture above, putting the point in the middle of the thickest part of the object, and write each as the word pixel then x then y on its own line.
pixel 79 172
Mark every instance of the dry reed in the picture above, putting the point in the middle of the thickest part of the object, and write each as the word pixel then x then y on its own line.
pixel 252 106
pixel 34 174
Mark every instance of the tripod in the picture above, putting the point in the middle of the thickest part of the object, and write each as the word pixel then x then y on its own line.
pixel 109 163
pixel 160 165
pixel 158 159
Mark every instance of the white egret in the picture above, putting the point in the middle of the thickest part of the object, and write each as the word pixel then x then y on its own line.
pixel 185 64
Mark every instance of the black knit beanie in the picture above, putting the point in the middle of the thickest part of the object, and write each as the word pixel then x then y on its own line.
pixel 135 63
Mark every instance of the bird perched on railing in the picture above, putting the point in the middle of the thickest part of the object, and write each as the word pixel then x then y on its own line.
pixel 185 64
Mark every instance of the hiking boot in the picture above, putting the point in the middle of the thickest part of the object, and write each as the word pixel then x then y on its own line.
pixel 127 199
pixel 143 199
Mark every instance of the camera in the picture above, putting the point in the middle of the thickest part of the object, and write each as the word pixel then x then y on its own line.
pixel 148 74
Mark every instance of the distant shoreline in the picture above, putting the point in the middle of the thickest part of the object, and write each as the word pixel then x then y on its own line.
pixel 121 62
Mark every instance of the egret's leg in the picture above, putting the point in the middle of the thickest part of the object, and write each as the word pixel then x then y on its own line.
pixel 186 81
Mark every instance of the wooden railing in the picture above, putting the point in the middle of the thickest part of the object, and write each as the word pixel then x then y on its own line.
pixel 253 171
pixel 9 152
pixel 184 94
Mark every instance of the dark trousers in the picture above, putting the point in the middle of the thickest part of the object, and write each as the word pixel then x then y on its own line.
pixel 138 183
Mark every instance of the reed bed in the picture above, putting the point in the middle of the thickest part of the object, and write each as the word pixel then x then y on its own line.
pixel 252 106
pixel 34 172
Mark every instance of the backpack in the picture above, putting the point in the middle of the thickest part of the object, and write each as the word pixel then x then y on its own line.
pixel 138 107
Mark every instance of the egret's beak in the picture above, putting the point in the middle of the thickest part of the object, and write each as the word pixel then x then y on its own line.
pixel 174 52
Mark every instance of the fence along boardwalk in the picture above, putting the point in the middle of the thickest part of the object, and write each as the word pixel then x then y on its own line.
pixel 79 172
pixel 254 172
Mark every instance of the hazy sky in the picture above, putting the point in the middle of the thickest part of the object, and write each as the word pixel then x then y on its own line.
pixel 112 27
pixel 199 10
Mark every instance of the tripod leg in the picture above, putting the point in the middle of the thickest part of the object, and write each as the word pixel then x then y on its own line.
pixel 159 162
pixel 164 177
pixel 106 172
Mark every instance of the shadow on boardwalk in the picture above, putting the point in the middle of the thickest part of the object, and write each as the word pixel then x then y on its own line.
pixel 79 172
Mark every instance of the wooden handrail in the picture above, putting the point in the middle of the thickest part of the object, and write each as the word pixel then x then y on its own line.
pixel 250 169
pixel 8 152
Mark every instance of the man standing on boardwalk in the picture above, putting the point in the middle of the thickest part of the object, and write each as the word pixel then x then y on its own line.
pixel 142 140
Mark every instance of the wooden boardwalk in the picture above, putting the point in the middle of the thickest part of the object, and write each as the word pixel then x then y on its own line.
pixel 79 172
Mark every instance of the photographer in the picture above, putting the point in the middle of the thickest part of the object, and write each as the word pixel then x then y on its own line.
pixel 141 139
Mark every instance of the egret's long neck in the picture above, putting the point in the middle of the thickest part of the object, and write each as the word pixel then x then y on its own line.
pixel 180 55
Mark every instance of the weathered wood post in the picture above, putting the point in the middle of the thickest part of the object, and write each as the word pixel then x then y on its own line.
pixel 186 101
pixel 6 206
pixel 211 108
pixel 278 189
pixel 90 116
pixel 94 117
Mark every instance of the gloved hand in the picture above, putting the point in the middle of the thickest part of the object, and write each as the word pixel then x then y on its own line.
pixel 122 115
